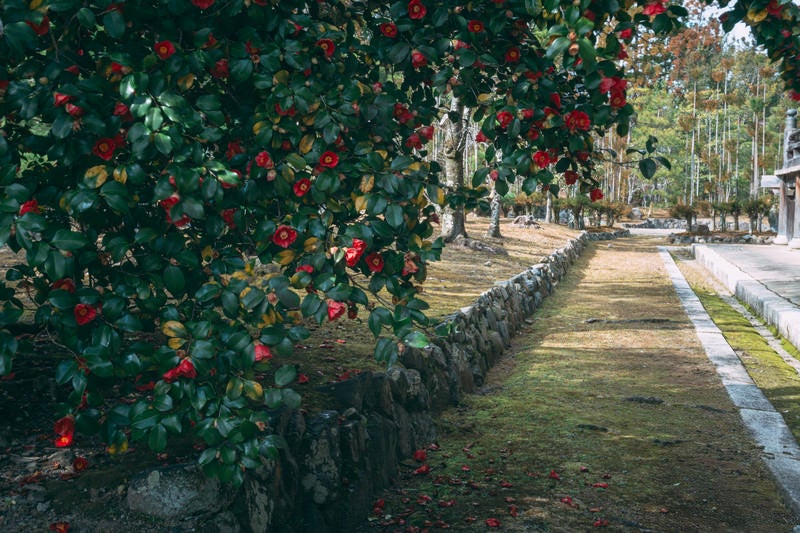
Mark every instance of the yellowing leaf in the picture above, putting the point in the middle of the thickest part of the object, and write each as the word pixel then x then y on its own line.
pixel 258 126
pixel 176 343
pixel 240 275
pixel 118 449
pixel 253 390
pixel 367 183
pixel 310 244
pixel 207 254
pixel 173 328
pixel 416 241
pixel 34 5
pixel 282 76
pixel 757 16
pixel 244 292
pixel 186 82
pixel 95 176
pixel 308 120
pixel 267 319
pixel 483 98
pixel 436 195
pixel 360 203
pixel 120 174
pixel 285 257
pixel 306 143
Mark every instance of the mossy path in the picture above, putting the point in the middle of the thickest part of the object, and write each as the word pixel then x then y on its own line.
pixel 606 413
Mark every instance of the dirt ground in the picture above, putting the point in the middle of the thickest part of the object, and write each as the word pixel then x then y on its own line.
pixel 605 414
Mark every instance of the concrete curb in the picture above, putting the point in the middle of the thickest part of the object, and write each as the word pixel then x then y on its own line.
pixel 772 308
pixel 781 452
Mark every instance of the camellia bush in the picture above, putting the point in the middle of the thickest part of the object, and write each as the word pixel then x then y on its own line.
pixel 188 182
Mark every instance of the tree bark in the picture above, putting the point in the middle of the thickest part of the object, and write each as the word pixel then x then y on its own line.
pixel 494 218
pixel 453 219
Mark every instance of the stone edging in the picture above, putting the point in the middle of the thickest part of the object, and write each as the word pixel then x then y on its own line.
pixel 326 478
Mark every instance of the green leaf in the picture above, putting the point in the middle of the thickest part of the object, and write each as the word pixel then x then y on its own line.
pixel 148 418
pixel 114 23
pixel 68 240
pixel 416 339
pixel 285 375
pixel 157 440
pixel 174 280
pixel 394 216
pixel 162 402
pixel 647 167
pixel 86 18
pixel 163 143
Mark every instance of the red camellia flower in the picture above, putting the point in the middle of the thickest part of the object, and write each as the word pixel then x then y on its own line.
pixel 164 49
pixel 284 236
pixel 418 59
pixel 121 110
pixel 203 4
pixel 328 47
pixel 65 284
pixel 79 464
pixel 513 55
pixel 59 527
pixel 264 160
pixel 504 118
pixel 577 120
pixel 302 186
pixel 570 177
pixel 389 29
pixel 104 148
pixel 417 10
pixel 475 26
pixel 595 195
pixel 480 137
pixel 328 159
pixel 262 352
pixel 420 456
pixel 42 28
pixel 492 522
pixel 335 309
pixel 617 99
pixel 227 217
pixel 64 426
pixel 654 8
pixel 185 369
pixel 74 111
pixel 422 470
pixel 305 268
pixel 613 84
pixel 426 132
pixel 541 158
pixel 302 378
pixel 409 264
pixel 60 99
pixel 84 313
pixel 375 262
pixel 626 34
pixel 31 206
pixel 413 141
pixel 354 253
pixel 221 70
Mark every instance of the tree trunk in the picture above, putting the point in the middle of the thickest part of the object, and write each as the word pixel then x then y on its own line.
pixel 494 218
pixel 453 219
pixel 549 208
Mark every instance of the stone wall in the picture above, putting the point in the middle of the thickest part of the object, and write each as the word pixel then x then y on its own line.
pixel 335 462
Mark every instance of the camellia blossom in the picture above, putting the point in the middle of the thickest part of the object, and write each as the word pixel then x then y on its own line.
pixel 84 313
pixel 481 137
pixel 409 264
pixel 541 158
pixel 570 177
pixel 418 59
pixel 65 429
pixel 426 132
pixel 327 46
pixel 284 236
pixel 104 148
pixel 164 49
pixel 328 159
pixel 504 118
pixel 203 4
pixel 79 464
pixel 42 28
pixel 375 262
pixel 417 10
pixel 305 268
pixel 264 160
pixel 413 141
pixel 354 253
pixel 577 120
pixel 301 187
pixel 227 216
pixel 420 456
pixel 513 55
pixel 335 309
pixel 65 284
pixel 492 522
pixel 617 99
pixel 59 527
pixel 262 352
pixel 60 99
pixel 475 26
pixel 31 206
pixel 625 34
pixel 389 29
pixel 654 8
pixel 595 195
pixel 185 369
